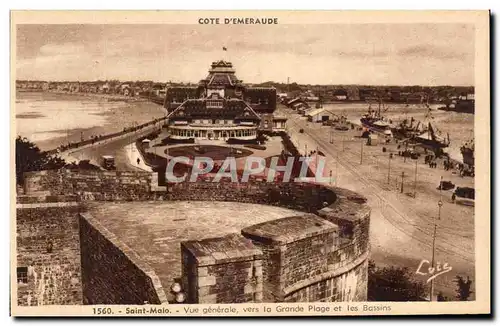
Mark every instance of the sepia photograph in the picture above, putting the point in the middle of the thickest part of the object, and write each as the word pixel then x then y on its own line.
pixel 250 163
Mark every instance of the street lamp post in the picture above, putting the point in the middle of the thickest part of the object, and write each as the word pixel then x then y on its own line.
pixel 415 185
pixel 406 149
pixel 402 181
pixel 361 159
pixel 440 204
pixel 336 168
pixel 389 171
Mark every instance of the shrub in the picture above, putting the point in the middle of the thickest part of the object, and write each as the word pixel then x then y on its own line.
pixel 393 284
pixel 30 158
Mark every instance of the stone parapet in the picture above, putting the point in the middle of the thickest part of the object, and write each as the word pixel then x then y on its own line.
pixel 222 270
pixel 112 272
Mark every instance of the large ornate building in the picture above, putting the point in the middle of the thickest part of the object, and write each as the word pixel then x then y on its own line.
pixel 221 107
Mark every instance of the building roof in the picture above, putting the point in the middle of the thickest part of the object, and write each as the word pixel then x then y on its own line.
pixel 197 109
pixel 220 74
pixel 315 112
pixel 292 101
pixel 222 79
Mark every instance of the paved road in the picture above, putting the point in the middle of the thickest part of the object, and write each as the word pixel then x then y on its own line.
pixel 398 236
pixel 115 147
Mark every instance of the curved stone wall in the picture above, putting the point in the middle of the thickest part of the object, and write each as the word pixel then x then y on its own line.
pixel 320 255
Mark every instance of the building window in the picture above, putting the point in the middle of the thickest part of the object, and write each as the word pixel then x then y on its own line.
pixel 22 275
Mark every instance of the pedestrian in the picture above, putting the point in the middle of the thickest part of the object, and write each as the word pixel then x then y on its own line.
pixel 453 197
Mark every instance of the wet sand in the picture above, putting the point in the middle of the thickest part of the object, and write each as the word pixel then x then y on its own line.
pixel 38 113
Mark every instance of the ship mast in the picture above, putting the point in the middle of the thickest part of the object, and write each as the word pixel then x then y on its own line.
pixel 430 132
pixel 379 105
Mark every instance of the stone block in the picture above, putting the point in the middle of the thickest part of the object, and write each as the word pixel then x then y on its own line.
pixel 206 281
pixel 202 271
pixel 203 291
pixel 212 298
pixel 249 288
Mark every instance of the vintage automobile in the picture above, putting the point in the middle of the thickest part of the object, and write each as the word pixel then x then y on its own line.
pixel 108 162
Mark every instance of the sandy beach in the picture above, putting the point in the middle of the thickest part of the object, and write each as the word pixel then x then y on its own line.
pixel 52 119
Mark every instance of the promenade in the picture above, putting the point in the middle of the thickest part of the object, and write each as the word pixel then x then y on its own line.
pixel 110 144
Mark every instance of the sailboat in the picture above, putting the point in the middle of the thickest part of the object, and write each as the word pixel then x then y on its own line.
pixel 433 139
pixel 374 121
pixel 410 128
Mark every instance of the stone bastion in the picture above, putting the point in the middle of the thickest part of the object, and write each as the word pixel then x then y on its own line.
pixel 83 237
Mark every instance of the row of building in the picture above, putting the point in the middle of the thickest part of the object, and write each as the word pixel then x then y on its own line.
pixel 96 87
pixel 326 94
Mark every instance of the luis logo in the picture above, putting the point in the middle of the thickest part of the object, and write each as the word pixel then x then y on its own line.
pixel 426 269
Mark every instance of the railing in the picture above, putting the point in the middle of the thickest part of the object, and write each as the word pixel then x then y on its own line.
pixel 95 140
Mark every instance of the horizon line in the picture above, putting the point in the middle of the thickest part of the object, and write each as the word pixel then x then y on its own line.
pixel 274 82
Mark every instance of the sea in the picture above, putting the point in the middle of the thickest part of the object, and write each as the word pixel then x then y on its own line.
pixel 52 119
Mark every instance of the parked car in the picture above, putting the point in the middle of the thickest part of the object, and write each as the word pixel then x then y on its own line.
pixel 108 162
pixel 465 192
pixel 446 185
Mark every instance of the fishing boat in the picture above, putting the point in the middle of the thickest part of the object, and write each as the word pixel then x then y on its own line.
pixel 374 121
pixel 432 139
pixel 409 127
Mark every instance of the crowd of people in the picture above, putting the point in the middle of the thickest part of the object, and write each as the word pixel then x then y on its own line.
pixel 431 160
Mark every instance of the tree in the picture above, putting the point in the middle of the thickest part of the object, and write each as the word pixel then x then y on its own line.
pixel 393 284
pixel 463 288
pixel 30 158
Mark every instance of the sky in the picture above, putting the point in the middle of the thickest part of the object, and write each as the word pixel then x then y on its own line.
pixel 367 54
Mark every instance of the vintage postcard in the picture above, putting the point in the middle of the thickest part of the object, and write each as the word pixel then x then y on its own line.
pixel 250 163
